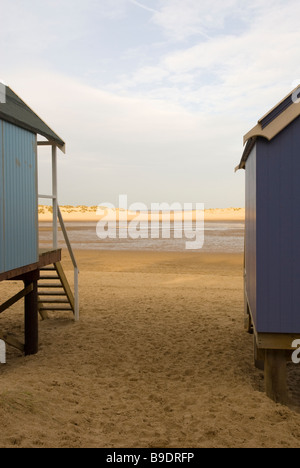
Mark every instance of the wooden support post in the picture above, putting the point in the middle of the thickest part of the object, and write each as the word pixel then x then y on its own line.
pixel 259 355
pixel 276 375
pixel 12 341
pixel 31 315
pixel 43 313
pixel 15 299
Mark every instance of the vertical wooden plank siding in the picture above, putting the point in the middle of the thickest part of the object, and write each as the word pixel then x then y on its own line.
pixel 2 266
pixel 278 232
pixel 20 245
pixel 250 232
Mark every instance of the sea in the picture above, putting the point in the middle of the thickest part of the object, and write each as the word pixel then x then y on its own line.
pixel 215 236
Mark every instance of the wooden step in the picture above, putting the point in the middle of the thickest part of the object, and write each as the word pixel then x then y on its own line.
pixel 54 291
pixel 65 284
pixel 49 277
pixel 50 285
pixel 51 293
pixel 54 301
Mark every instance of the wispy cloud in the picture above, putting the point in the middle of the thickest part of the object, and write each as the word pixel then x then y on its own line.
pixel 144 7
pixel 193 18
pixel 174 90
pixel 230 72
pixel 124 138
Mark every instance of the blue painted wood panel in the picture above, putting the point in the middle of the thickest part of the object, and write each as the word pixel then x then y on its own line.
pixel 278 232
pixel 2 266
pixel 20 242
pixel 250 232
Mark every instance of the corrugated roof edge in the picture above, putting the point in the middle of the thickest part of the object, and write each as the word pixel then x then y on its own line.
pixel 272 123
pixel 249 147
pixel 17 112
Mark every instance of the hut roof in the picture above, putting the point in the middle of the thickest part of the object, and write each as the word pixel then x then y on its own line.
pixel 272 123
pixel 15 111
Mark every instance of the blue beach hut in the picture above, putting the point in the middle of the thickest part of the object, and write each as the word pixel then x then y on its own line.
pixel 271 160
pixel 20 256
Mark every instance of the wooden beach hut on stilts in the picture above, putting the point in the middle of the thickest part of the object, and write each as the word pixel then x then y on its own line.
pixel 271 160
pixel 45 284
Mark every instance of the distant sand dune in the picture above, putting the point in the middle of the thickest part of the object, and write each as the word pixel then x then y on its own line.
pixel 89 214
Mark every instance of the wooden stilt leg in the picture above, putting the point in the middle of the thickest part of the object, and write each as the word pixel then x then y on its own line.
pixel 276 375
pixel 259 356
pixel 31 316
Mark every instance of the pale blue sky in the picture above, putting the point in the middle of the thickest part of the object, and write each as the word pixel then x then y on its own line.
pixel 152 97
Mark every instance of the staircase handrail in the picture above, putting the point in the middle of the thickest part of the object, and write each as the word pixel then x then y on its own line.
pixel 76 270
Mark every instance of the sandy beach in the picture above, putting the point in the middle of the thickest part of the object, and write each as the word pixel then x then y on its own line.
pixel 158 359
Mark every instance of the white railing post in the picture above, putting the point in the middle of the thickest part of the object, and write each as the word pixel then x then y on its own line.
pixel 57 216
pixel 76 294
pixel 54 194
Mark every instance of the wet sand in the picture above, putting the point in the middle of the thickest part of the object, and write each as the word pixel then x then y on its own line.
pixel 158 359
